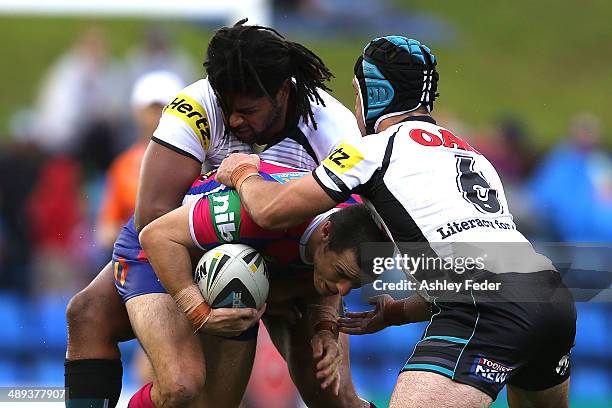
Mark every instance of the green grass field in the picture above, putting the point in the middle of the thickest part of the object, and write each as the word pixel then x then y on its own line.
pixel 542 61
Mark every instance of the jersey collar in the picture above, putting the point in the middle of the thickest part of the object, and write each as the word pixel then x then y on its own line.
pixel 419 118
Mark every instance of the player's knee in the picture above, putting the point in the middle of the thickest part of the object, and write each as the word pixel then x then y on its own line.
pixel 181 390
pixel 88 310
pixel 554 397
pixel 80 309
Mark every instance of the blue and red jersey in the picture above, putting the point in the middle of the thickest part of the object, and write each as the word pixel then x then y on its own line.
pixel 215 218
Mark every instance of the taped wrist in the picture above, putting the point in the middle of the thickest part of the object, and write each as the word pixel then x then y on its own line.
pixel 393 313
pixel 192 303
pixel 323 318
pixel 326 325
pixel 243 172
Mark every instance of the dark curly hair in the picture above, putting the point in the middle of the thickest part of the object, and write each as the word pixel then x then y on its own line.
pixel 254 60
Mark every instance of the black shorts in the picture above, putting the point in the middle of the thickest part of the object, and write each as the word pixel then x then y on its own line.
pixel 520 335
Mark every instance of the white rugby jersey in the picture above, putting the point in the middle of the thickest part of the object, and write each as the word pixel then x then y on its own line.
pixel 304 146
pixel 192 124
pixel 428 185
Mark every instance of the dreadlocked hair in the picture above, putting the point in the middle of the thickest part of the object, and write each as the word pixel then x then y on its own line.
pixel 255 61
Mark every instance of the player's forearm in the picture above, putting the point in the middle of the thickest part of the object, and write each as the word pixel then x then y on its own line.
pixel 275 206
pixel 170 260
pixel 263 200
pixel 410 310
pixel 172 264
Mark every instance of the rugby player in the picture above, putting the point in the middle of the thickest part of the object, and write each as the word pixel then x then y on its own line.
pixel 136 281
pixel 424 184
pixel 329 241
pixel 260 89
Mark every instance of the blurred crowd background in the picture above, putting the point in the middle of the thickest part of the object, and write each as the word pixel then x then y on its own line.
pixel 526 84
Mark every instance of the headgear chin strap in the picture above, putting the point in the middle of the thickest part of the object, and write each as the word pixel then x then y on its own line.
pixel 395 74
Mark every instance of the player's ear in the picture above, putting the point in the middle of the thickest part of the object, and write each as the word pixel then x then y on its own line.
pixel 326 230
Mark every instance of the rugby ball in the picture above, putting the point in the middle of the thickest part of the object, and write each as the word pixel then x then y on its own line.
pixel 234 276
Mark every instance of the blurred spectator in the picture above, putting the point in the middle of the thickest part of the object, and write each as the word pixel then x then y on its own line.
pixel 53 205
pixel 158 52
pixel 149 95
pixel 77 94
pixel 571 194
pixel 506 145
pixel 509 150
pixel 571 190
pixel 19 168
pixel 55 217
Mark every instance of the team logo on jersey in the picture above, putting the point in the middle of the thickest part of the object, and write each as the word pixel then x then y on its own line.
pixel 288 176
pixel 446 138
pixel 193 114
pixel 475 188
pixel 225 214
pixel 343 158
pixel 120 270
pixel 490 371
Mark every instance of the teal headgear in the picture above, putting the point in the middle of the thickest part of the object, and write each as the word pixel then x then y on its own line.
pixel 395 75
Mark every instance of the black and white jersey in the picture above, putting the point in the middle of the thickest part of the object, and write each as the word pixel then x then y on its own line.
pixel 304 146
pixel 192 124
pixel 428 185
